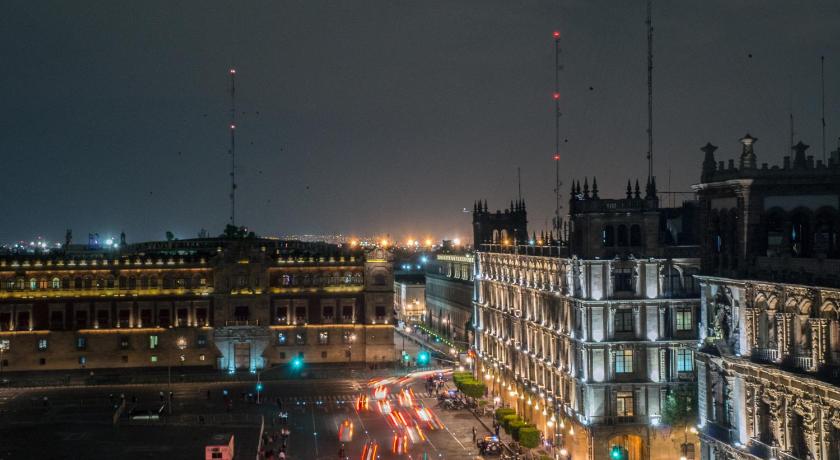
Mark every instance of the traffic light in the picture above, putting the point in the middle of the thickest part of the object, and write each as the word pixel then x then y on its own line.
pixel 406 357
pixel 423 358
pixel 297 363
pixel 618 453
pixel 259 387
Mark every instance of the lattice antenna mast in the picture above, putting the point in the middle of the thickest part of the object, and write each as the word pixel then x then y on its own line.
pixel 649 23
pixel 822 83
pixel 558 223
pixel 232 146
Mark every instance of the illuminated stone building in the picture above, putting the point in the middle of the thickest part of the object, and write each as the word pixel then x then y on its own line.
pixel 409 298
pixel 768 367
pixel 231 304
pixel 449 296
pixel 587 346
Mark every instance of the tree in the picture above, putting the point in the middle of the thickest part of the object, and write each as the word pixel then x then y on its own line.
pixel 680 408
pixel 529 437
pixel 170 236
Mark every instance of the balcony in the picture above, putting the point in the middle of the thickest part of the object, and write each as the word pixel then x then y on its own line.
pixel 243 322
pixel 765 355
pixel 617 419
pixel 805 363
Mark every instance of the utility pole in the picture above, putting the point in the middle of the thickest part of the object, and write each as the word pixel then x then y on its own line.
pixel 558 223
pixel 232 146
pixel 649 23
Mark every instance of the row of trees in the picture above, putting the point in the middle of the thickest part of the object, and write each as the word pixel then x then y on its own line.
pixel 468 385
pixel 521 431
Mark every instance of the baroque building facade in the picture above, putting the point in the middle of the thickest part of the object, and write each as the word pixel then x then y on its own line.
pixel 769 361
pixel 225 303
pixel 587 340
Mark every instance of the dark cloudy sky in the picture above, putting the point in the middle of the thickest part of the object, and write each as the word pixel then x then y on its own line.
pixel 380 116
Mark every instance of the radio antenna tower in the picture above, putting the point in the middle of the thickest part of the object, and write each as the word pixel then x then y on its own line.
pixel 649 23
pixel 232 146
pixel 822 94
pixel 558 223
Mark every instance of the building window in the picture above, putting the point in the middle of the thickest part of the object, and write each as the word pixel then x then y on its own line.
pixel 329 313
pixel 163 318
pixel 622 235
pixel 684 322
pixel 81 343
pixel 33 284
pixel 608 236
pixel 42 344
pixel 347 313
pixel 623 279
pixel 5 345
pixel 42 361
pixel 82 360
pixel 300 338
pixel 635 235
pixel 282 316
pixel 380 313
pixel 124 342
pixel 201 341
pixel 201 357
pixel 323 338
pixel 281 338
pixel 56 283
pixel 124 358
pixel 323 354
pixel 153 358
pixel 347 337
pixel 685 360
pixel 624 403
pixel 300 315
pixel 623 320
pixel 624 362
pixel 241 313
pixel 153 342
pixel 282 355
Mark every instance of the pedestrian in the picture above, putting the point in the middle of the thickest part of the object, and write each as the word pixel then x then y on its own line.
pixel 474 434
pixel 497 431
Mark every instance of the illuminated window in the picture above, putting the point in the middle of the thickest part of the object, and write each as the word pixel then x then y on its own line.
pixel 300 338
pixel 323 338
pixel 685 360
pixel 201 341
pixel 282 316
pixel 153 358
pixel 624 403
pixel 183 358
pixel 33 283
pixel 282 338
pixel 56 283
pixel 5 345
pixel 82 360
pixel 624 362
pixel 347 337
pixel 683 318
pixel 153 342
pixel 201 357
pixel 42 344
pixel 124 342
pixel 81 343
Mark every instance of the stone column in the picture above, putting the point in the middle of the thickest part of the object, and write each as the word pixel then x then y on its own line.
pixel 819 341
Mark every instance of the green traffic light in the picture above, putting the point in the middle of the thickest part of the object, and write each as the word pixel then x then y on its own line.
pixel 423 358
pixel 297 363
pixel 259 386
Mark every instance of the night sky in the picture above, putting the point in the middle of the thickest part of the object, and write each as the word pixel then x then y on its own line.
pixel 373 117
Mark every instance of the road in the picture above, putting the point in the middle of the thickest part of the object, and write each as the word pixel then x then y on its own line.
pixel 77 422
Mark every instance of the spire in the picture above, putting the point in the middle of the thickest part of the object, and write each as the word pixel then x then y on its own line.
pixel 594 188
pixel 638 193
pixel 586 187
pixel 511 206
pixel 485 205
pixel 747 153
pixel 709 163
pixel 629 190
pixel 572 192
pixel 799 159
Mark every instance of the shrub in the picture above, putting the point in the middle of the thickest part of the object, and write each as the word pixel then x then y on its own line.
pixel 529 437
pixel 502 411
pixel 515 427
pixel 507 420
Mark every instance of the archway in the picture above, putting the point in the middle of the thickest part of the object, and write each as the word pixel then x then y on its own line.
pixel 630 442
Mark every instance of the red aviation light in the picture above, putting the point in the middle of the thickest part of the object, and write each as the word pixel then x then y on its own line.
pixel 556 34
pixel 556 96
pixel 556 157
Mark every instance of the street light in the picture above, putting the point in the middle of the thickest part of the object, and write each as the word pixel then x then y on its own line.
pixel 4 347
pixel 181 343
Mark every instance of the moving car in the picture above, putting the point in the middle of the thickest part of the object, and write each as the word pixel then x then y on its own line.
pixel 490 445
pixel 369 452
pixel 345 431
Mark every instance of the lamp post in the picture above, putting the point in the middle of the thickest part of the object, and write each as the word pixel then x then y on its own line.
pixel 4 347
pixel 351 339
pixel 181 343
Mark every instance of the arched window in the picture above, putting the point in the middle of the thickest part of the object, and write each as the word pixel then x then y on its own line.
pixel 43 283
pixel 622 235
pixel 504 235
pixel 77 283
pixel 825 234
pixel 379 279
pixel 775 233
pixel 495 236
pixel 608 236
pixel 56 283
pixel 635 235
pixel 800 233
pixel 33 283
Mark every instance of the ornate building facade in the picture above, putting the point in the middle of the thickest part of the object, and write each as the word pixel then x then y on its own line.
pixel 231 304
pixel 449 296
pixel 587 346
pixel 769 362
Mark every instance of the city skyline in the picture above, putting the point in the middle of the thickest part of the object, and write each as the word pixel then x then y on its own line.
pixel 348 109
